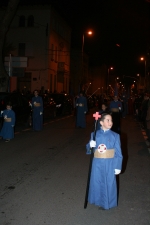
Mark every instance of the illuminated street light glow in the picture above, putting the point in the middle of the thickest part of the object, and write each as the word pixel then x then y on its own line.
pixel 144 59
pixel 90 32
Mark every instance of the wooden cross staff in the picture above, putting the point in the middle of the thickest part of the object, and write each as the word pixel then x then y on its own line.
pixel 96 116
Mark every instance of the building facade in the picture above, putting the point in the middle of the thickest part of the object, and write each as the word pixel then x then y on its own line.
pixel 40 34
pixel 79 71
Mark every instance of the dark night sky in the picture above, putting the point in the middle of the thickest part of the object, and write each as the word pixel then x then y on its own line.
pixel 126 22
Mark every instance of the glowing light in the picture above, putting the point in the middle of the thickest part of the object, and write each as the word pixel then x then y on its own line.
pixel 90 32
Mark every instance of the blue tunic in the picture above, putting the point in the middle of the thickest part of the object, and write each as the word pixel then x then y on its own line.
pixel 124 106
pixel 37 117
pixel 115 104
pixel 103 188
pixel 81 105
pixel 116 115
pixel 7 131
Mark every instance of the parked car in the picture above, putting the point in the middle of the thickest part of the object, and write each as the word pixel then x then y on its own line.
pixel 20 105
pixel 64 103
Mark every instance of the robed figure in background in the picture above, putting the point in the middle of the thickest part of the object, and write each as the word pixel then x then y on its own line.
pixel 37 108
pixel 116 109
pixel 7 131
pixel 81 110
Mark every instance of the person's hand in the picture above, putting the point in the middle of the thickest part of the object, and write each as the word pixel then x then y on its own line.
pixel 119 108
pixel 85 112
pixel 92 144
pixel 12 125
pixel 117 171
pixel 41 113
pixel 1 112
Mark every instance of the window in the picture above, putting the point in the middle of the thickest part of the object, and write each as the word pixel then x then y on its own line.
pixel 21 49
pixel 30 22
pixel 22 21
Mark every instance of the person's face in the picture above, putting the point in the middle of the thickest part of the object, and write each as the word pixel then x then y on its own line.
pixel 36 93
pixel 103 107
pixel 107 123
pixel 115 98
pixel 8 107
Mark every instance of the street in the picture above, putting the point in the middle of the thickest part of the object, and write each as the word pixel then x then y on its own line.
pixel 43 177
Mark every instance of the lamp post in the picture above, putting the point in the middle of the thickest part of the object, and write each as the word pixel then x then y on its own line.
pixel 87 88
pixel 143 59
pixel 110 68
pixel 89 33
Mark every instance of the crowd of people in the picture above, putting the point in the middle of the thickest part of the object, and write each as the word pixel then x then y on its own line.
pixel 104 142
pixel 141 109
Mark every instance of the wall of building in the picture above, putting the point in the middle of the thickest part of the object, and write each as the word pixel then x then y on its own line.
pixel 38 40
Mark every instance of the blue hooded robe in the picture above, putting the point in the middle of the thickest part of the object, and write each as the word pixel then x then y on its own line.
pixel 103 187
pixel 116 115
pixel 37 108
pixel 7 131
pixel 81 106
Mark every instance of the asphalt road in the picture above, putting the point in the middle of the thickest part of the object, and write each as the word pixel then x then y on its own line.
pixel 43 177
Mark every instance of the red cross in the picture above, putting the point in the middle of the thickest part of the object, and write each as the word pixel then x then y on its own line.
pixel 96 115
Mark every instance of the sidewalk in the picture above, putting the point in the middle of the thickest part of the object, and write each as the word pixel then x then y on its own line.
pixel 134 198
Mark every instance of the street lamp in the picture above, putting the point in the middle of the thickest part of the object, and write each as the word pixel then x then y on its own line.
pixel 87 88
pixel 143 59
pixel 89 33
pixel 110 68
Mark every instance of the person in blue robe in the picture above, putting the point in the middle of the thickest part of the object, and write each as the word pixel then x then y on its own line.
pixel 124 105
pixel 115 108
pixel 81 110
pixel 37 111
pixel 7 131
pixel 106 164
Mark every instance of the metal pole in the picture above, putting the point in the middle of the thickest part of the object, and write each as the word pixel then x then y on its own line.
pixel 107 80
pixel 82 70
pixel 145 80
